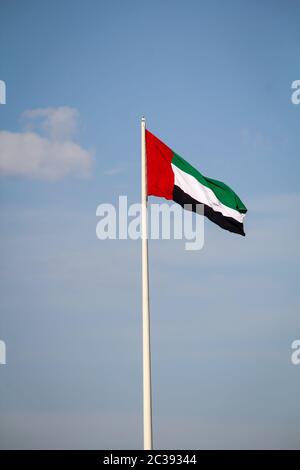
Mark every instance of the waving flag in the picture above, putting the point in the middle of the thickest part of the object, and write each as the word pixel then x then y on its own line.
pixel 171 177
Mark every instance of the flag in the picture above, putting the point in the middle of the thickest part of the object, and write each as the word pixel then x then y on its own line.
pixel 171 177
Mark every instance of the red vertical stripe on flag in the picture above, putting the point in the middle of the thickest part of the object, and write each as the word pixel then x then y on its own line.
pixel 160 176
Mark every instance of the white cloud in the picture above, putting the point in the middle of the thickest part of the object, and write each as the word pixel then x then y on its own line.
pixel 46 148
pixel 58 123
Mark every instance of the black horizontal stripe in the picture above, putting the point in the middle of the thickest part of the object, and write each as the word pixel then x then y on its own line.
pixel 228 223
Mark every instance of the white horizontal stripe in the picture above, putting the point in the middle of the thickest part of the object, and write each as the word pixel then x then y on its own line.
pixel 190 185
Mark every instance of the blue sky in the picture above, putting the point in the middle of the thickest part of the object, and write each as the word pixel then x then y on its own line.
pixel 214 82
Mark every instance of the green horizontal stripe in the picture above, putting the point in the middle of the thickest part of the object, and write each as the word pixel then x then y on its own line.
pixel 225 194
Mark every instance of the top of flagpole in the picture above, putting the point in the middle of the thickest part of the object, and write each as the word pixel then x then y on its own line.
pixel 143 119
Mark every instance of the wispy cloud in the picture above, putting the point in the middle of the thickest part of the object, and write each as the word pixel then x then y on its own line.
pixel 255 141
pixel 113 171
pixel 46 149
pixel 58 123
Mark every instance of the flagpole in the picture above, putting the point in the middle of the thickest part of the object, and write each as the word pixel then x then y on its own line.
pixel 147 399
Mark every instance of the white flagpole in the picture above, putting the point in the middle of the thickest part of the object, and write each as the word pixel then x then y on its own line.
pixel 147 399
